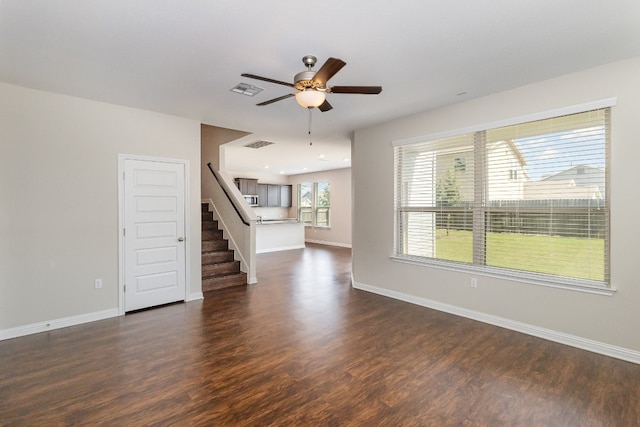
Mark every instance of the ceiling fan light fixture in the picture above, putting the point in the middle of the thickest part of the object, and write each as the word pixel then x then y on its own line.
pixel 310 98
pixel 311 86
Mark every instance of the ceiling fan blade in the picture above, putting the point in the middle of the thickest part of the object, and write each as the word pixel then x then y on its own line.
pixel 365 90
pixel 280 98
pixel 266 79
pixel 328 70
pixel 325 106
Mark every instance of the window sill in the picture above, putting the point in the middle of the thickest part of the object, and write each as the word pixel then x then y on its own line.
pixel 523 277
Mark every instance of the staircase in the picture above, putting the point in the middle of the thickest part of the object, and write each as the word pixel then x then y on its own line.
pixel 219 269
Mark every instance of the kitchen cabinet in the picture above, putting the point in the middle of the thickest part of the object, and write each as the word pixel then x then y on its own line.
pixel 273 196
pixel 285 196
pixel 247 186
pixel 262 195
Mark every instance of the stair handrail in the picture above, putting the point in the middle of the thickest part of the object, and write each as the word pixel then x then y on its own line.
pixel 231 200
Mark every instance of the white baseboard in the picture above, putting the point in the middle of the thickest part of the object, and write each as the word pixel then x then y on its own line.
pixel 323 242
pixel 548 334
pixel 49 325
pixel 195 296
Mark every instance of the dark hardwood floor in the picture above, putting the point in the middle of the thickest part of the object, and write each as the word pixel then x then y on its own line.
pixel 302 348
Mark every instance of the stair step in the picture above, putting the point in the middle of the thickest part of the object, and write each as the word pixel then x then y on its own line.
pixel 209 225
pixel 217 256
pixel 214 245
pixel 220 269
pixel 212 235
pixel 221 282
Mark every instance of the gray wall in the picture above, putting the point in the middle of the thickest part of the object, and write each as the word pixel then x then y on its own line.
pixel 211 140
pixel 59 198
pixel 608 320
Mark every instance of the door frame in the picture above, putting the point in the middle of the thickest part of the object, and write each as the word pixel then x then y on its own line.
pixel 187 224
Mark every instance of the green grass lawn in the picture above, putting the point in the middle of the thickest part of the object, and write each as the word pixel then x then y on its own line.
pixel 542 254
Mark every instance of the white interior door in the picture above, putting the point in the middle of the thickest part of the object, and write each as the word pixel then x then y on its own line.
pixel 154 231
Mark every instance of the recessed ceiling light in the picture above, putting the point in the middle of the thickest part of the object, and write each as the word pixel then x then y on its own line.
pixel 281 172
pixel 246 89
pixel 266 166
pixel 304 169
pixel 346 160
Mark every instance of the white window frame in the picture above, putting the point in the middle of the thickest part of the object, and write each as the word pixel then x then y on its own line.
pixel 521 276
pixel 299 208
pixel 314 204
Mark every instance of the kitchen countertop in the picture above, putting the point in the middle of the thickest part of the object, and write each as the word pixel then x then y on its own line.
pixel 267 221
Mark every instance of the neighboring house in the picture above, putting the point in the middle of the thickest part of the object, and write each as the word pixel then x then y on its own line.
pixel 512 182
pixel 582 176
pixel 560 189
pixel 503 183
pixel 506 171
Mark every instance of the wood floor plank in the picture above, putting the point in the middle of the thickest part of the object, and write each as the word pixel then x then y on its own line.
pixel 303 348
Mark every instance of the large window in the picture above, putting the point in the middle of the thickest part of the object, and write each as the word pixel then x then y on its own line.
pixel 323 204
pixel 314 203
pixel 305 203
pixel 526 200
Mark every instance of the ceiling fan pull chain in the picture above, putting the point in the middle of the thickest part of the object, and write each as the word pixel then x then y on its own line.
pixel 309 108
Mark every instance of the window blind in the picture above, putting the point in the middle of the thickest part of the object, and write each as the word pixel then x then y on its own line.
pixel 530 199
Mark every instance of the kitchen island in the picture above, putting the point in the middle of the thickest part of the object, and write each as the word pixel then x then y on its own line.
pixel 279 235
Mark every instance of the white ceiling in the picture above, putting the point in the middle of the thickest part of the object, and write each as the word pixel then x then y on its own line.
pixel 182 57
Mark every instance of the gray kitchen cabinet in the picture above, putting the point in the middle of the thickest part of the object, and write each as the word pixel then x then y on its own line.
pixel 262 195
pixel 285 196
pixel 273 195
pixel 247 186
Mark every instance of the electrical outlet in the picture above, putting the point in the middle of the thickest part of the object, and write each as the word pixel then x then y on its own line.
pixel 98 283
pixel 474 282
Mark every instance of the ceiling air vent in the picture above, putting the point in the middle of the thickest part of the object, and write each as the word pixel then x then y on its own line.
pixel 258 144
pixel 246 89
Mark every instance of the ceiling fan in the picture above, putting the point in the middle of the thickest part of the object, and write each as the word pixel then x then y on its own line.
pixel 312 86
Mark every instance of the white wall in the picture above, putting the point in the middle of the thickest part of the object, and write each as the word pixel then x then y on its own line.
pixel 595 319
pixel 59 199
pixel 339 233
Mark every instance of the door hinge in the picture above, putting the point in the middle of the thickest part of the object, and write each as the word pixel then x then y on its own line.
pixel 124 231
pixel 125 288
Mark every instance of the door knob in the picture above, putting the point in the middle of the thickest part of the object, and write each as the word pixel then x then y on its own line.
pixel 180 239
